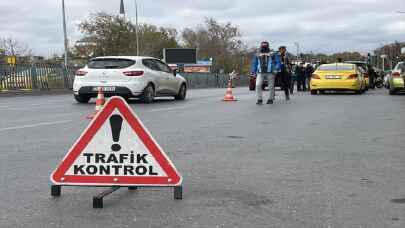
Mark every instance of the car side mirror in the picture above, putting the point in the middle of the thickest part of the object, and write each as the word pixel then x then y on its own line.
pixel 175 72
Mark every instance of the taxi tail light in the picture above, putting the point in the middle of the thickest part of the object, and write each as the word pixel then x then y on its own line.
pixel 353 76
pixel 315 76
pixel 134 73
pixel 81 73
pixel 396 75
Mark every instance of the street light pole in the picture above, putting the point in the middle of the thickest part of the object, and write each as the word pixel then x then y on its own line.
pixel 136 28
pixel 65 34
pixel 298 51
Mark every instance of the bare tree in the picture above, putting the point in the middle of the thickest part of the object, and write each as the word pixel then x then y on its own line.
pixel 13 47
pixel 218 41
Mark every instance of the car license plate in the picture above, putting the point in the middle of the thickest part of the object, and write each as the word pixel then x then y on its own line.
pixel 333 77
pixel 105 89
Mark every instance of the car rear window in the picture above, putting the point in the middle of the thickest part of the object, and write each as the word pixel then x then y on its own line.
pixel 401 66
pixel 110 63
pixel 336 67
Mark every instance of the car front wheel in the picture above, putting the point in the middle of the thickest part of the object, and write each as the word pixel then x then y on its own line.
pixel 182 93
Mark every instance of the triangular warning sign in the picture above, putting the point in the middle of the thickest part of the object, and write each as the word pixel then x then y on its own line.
pixel 116 150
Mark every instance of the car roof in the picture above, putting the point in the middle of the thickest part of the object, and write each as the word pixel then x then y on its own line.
pixel 125 57
pixel 356 62
pixel 338 64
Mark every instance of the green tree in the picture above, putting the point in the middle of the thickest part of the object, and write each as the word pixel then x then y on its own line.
pixel 105 34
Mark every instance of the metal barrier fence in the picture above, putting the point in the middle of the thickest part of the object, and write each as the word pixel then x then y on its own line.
pixel 34 77
pixel 39 76
pixel 210 80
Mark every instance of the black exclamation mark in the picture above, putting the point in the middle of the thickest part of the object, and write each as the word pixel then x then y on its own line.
pixel 116 124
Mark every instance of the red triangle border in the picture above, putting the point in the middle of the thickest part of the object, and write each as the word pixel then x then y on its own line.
pixel 173 178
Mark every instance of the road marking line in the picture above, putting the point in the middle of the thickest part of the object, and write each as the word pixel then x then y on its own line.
pixel 34 125
pixel 169 109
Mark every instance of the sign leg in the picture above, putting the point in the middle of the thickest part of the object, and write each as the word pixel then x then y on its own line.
pixel 56 190
pixel 98 199
pixel 178 192
pixel 97 202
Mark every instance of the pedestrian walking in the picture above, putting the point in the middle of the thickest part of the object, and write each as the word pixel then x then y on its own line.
pixel 301 84
pixel 308 74
pixel 264 64
pixel 284 70
pixel 294 78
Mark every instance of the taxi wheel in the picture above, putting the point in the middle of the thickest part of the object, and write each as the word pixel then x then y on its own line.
pixel 357 92
pixel 314 92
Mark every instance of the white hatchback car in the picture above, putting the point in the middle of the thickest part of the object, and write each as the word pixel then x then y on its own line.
pixel 128 76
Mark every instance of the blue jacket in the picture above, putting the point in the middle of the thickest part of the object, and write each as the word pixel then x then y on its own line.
pixel 274 65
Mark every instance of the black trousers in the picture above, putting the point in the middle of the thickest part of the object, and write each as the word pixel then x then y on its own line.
pixel 302 84
pixel 285 82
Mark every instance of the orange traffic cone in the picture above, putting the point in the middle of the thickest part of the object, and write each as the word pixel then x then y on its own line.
pixel 229 96
pixel 99 103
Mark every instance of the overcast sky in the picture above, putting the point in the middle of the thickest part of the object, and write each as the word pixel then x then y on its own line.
pixel 317 25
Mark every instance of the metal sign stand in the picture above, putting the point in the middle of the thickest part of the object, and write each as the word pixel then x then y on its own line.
pixel 56 191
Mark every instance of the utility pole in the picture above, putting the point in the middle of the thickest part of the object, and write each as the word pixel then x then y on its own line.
pixel 297 45
pixel 65 35
pixel 136 28
pixel 122 9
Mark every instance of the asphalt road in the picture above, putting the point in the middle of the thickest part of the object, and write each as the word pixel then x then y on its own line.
pixel 314 161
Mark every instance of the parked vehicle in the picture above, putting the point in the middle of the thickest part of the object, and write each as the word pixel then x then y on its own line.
pixel 128 76
pixel 397 78
pixel 338 77
pixel 369 72
pixel 252 83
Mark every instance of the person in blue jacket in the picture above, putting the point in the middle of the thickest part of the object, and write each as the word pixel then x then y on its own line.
pixel 264 66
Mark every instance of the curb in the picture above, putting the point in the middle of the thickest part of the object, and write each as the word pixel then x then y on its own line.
pixel 16 93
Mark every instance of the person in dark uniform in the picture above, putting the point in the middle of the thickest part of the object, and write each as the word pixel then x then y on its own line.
pixel 301 84
pixel 284 72
pixel 308 74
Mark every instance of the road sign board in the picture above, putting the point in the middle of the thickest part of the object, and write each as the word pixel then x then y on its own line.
pixel 11 60
pixel 116 150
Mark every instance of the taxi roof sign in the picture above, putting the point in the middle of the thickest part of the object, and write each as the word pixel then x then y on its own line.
pixel 116 150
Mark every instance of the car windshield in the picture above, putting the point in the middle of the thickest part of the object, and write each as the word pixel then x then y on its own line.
pixel 107 63
pixel 335 67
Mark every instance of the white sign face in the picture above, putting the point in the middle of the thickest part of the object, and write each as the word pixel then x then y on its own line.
pixel 383 56
pixel 403 50
pixel 116 150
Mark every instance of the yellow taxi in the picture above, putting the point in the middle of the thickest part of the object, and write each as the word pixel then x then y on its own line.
pixel 338 77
